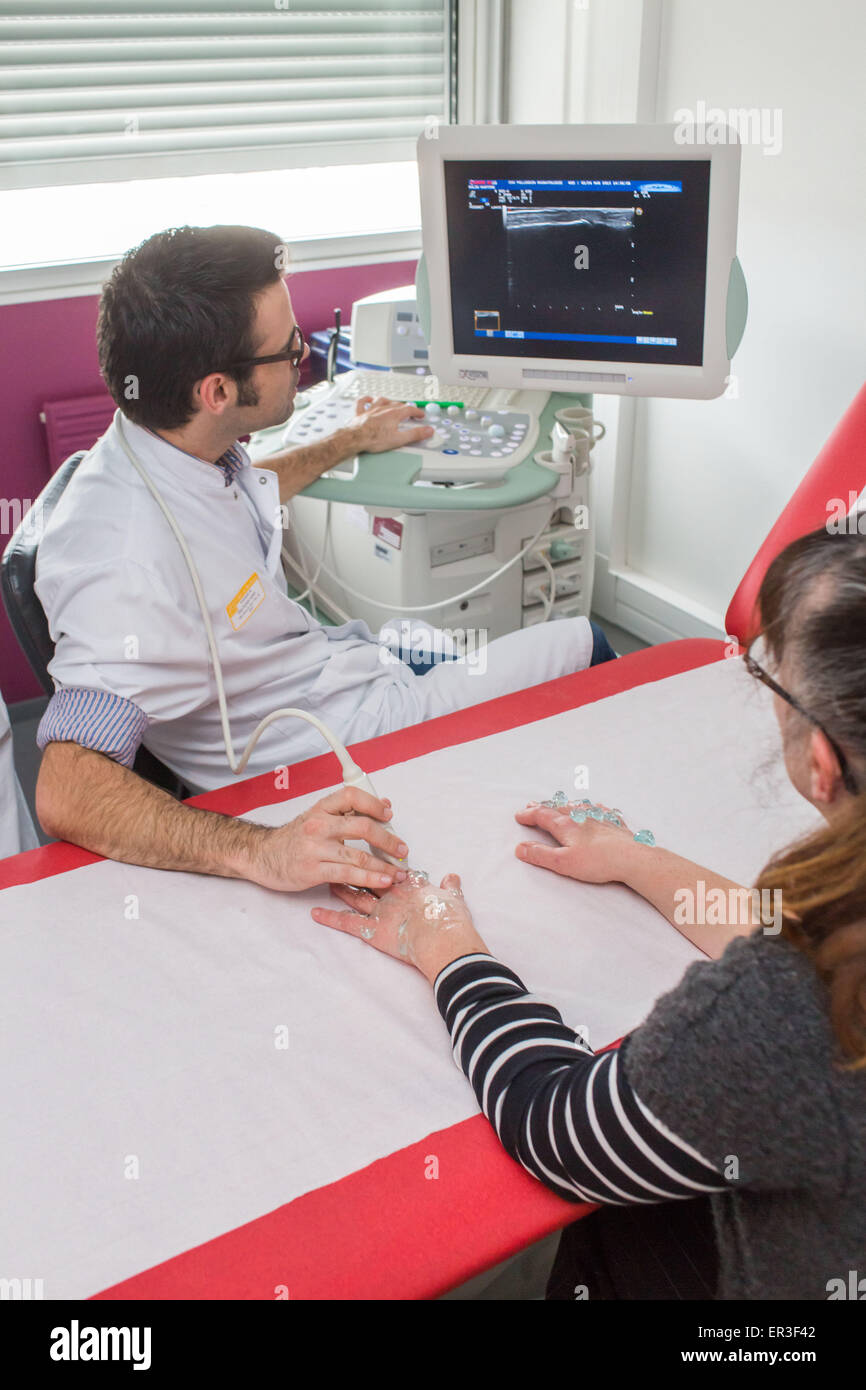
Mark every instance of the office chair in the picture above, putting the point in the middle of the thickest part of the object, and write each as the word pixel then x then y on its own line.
pixel 27 616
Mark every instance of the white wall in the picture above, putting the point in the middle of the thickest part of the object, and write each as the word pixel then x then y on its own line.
pixel 538 62
pixel 710 477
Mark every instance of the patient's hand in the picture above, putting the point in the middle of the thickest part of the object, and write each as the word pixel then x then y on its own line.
pixel 414 921
pixel 594 852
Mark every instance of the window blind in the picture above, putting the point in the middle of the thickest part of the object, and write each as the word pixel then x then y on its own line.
pixel 91 91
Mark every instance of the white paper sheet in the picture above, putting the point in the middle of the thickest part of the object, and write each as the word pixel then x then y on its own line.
pixel 149 1039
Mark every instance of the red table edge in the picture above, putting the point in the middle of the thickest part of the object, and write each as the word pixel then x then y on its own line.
pixel 420 1235
pixel 463 726
pixel 390 1230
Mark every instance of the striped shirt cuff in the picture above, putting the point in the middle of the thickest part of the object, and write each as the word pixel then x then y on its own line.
pixel 567 1114
pixel 95 719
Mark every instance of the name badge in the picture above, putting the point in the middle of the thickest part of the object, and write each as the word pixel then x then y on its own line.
pixel 245 602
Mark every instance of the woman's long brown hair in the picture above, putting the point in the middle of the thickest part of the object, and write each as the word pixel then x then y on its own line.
pixel 812 607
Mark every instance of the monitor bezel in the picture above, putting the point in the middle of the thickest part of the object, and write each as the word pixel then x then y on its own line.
pixel 546 143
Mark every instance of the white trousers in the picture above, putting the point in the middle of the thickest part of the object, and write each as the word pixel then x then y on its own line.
pixel 514 662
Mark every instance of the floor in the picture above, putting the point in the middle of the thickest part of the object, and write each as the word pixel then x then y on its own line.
pixel 522 1279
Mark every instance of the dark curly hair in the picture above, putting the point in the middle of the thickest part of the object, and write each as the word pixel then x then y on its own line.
pixel 177 307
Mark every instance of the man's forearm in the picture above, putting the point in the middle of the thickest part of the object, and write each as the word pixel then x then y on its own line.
pixel 680 890
pixel 297 468
pixel 97 803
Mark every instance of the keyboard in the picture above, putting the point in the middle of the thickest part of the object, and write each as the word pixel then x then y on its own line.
pixel 406 386
pixel 477 437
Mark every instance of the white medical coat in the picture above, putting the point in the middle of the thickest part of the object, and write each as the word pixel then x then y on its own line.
pixel 124 617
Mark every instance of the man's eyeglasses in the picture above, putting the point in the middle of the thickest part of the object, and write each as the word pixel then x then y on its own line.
pixel 760 674
pixel 293 353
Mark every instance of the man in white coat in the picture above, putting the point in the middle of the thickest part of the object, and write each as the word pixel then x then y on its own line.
pixel 199 345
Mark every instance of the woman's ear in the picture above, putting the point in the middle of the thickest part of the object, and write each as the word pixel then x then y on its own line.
pixel 825 776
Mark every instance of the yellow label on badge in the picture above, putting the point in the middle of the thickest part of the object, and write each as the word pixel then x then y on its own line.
pixel 245 602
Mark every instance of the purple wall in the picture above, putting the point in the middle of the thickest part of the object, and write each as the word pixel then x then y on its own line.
pixel 48 352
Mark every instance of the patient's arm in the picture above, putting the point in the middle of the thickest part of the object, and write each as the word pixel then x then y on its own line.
pixel 599 852
pixel 673 885
pixel 90 799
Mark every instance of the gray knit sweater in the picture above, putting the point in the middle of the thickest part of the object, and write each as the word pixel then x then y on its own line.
pixel 731 1089
pixel 740 1060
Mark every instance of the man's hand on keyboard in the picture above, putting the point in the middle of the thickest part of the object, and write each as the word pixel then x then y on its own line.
pixel 380 425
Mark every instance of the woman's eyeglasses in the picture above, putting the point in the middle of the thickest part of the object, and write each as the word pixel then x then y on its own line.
pixel 760 674
pixel 293 353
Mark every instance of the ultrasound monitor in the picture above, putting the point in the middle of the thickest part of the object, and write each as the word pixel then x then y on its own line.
pixel 585 258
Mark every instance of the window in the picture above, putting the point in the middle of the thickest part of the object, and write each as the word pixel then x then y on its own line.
pixel 297 115
pixel 95 91
pixel 375 205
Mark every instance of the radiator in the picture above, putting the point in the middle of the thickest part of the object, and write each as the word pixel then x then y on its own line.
pixel 75 424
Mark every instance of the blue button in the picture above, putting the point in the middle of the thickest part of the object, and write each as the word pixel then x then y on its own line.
pixel 449 451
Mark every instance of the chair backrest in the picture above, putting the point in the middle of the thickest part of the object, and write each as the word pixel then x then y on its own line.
pixel 18 572
pixel 27 616
pixel 838 472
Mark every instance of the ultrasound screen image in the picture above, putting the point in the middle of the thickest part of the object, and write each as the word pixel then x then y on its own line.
pixel 540 266
pixel 601 260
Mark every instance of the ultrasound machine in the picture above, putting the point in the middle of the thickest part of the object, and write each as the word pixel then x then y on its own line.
pixel 560 264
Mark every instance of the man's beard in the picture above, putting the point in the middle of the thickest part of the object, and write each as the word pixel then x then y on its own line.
pixel 247 393
pixel 249 396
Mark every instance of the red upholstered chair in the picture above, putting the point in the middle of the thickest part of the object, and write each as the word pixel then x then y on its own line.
pixel 838 471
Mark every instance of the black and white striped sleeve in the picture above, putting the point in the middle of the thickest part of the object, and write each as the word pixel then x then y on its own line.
pixel 567 1114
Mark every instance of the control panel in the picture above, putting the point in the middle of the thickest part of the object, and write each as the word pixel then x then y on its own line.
pixel 469 443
